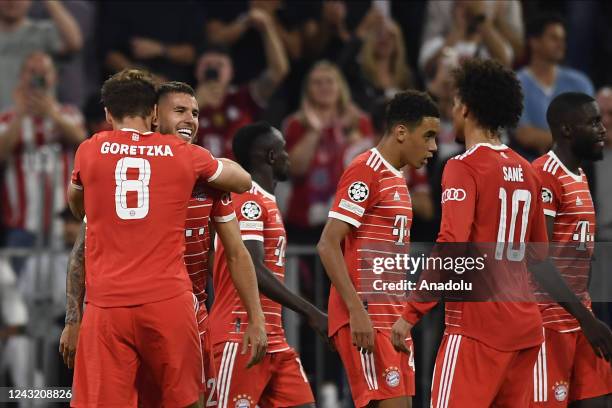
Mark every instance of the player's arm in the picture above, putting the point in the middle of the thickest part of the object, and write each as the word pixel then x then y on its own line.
pixel 76 201
pixel 330 252
pixel 458 208
pixel 75 295
pixel 242 273
pixel 549 277
pixel 276 290
pixel 222 174
pixel 596 331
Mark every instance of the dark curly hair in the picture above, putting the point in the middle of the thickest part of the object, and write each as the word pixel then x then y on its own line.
pixel 491 92
pixel 409 108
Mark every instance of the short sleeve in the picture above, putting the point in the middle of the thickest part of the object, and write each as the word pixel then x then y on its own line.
pixel 538 235
pixel 251 214
pixel 205 165
pixel 458 202
pixel 222 207
pixel 75 178
pixel 550 193
pixel 355 193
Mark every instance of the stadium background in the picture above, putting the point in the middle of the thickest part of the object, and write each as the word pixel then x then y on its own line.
pixel 270 51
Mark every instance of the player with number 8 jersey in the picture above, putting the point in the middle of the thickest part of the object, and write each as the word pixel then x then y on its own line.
pixel 134 186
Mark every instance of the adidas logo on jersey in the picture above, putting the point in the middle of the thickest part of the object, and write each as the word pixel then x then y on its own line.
pixel 396 196
pixel 578 201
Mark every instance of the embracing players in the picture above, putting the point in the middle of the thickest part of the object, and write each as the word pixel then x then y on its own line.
pixel 372 205
pixel 134 186
pixel 279 380
pixel 567 370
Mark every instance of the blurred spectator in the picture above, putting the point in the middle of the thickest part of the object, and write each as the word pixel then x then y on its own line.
pixel 326 35
pixel 471 28
pixel 15 354
pixel 43 282
pixel 374 60
pixel 542 80
pixel 157 35
pixel 95 118
pixel 603 169
pixel 78 74
pixel 230 24
pixel 225 108
pixel 20 36
pixel 37 140
pixel 601 279
pixel 322 138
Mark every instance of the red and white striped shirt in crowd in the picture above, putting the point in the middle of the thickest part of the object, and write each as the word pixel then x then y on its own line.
pixel 37 172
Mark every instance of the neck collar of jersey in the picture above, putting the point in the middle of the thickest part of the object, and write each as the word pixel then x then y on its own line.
pixel 386 163
pixel 264 192
pixel 136 131
pixel 576 177
pixel 489 145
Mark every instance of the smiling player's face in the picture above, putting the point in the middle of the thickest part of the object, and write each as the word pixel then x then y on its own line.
pixel 177 114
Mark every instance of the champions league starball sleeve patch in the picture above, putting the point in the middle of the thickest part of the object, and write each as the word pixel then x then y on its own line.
pixel 251 210
pixel 358 191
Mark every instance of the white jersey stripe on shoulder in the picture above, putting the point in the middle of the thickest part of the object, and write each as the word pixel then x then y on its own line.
pixel 375 162
pixel 369 158
pixel 535 381
pixel 378 165
pixel 365 372
pixel 452 370
pixel 546 163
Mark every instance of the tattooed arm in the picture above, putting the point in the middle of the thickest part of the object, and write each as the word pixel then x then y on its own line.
pixel 75 294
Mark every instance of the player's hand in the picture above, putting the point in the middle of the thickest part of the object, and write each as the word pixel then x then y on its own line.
pixel 399 333
pixel 599 336
pixel 146 48
pixel 68 343
pixel 318 321
pixel 256 338
pixel 362 330
pixel 259 19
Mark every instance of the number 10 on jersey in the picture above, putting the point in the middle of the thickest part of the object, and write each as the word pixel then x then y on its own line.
pixel 138 186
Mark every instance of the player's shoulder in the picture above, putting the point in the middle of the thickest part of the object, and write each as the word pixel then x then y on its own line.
pixel 548 165
pixel 369 164
pixel 250 205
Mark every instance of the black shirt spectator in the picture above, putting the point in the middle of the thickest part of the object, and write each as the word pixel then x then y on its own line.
pixel 153 35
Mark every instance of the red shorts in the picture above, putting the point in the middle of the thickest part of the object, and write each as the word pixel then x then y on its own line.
pixel 382 375
pixel 277 381
pixel 568 370
pixel 469 373
pixel 149 394
pixel 115 342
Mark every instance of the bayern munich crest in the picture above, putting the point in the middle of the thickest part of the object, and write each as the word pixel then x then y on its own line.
pixel 243 401
pixel 358 191
pixel 392 376
pixel 561 390
pixel 251 210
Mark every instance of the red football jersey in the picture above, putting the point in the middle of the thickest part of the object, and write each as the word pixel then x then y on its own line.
pixel 566 197
pixel 206 202
pixel 492 195
pixel 137 187
pixel 372 196
pixel 260 220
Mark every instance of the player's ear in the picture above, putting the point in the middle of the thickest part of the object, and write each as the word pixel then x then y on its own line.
pixel 566 131
pixel 155 120
pixel 271 156
pixel 400 133
pixel 108 116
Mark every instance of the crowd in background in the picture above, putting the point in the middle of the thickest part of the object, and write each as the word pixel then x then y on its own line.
pixel 319 71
